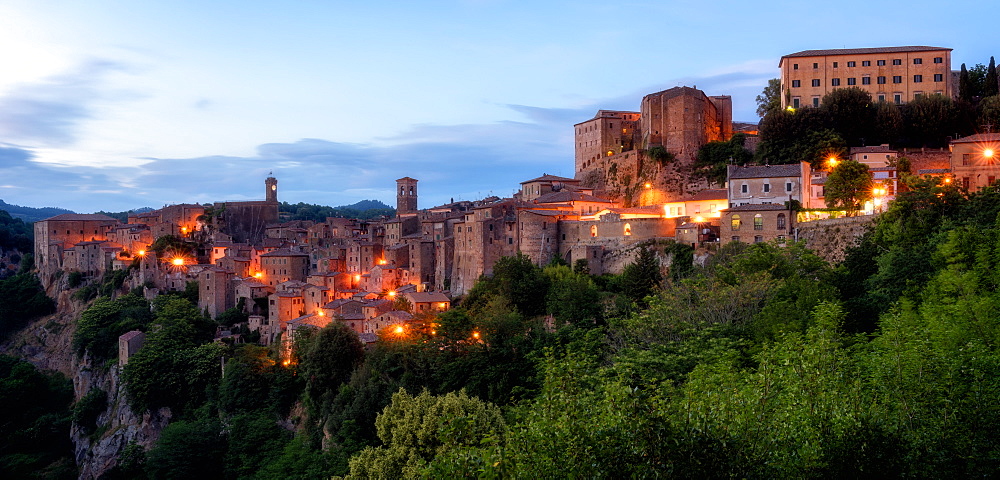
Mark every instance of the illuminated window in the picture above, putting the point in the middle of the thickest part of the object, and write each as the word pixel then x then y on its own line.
pixel 628 229
pixel 736 222
pixel 593 230
pixel 758 222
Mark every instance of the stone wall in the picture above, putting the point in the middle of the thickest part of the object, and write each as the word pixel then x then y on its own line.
pixel 830 238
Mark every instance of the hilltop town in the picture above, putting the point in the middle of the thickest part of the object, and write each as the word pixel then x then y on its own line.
pixel 634 185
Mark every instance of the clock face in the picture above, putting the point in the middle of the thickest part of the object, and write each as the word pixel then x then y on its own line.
pixel 274 187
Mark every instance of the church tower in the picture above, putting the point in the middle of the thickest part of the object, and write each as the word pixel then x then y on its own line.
pixel 406 196
pixel 271 192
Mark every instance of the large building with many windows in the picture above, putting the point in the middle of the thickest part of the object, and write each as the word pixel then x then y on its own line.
pixel 890 74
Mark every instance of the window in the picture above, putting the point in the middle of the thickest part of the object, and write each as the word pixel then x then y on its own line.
pixel 736 238
pixel 918 78
pixel 796 83
pixel 834 64
pixel 897 79
pixel 866 63
pixel 835 82
pixel 788 186
pixel 815 65
pixel 815 82
pixel 628 229
pixel 965 183
pixel 736 222
pixel 866 80
pixel 758 239
pixel 897 61
pixel 852 64
pixel 781 221
pixel 917 94
pixel 795 66
pixel 758 222
pixel 795 102
pixel 966 157
pixel 744 188
pixel 918 61
pixel 852 81
pixel 938 77
pixel 938 60
pixel 881 80
pixel 815 101
pixel 767 187
pixel 880 63
pixel 881 97
pixel 897 98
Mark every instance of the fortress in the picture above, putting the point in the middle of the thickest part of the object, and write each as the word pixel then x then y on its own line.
pixel 618 153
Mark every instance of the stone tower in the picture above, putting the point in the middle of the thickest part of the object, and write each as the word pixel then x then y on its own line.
pixel 271 192
pixel 406 196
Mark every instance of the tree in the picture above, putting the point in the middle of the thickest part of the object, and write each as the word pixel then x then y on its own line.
pixel 416 429
pixel 991 86
pixel 188 449
pixel 930 120
pixel 327 360
pixel 572 297
pixel 848 186
pixel 515 279
pixel 977 80
pixel 989 111
pixel 851 114
pixel 888 123
pixel 965 87
pixel 641 278
pixel 100 325
pixel 770 99
pixel 23 300
pixel 715 157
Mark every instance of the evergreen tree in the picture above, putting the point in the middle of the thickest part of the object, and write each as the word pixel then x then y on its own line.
pixel 991 87
pixel 964 84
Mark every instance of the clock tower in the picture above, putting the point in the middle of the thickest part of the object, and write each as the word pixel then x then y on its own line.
pixel 271 193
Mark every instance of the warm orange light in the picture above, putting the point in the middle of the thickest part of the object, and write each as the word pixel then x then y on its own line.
pixel 475 335
pixel 286 362
pixel 649 185
pixel 357 278
pixel 988 153
pixel 258 275
pixel 184 229
pixel 178 261
pixel 399 329
pixel 947 180
pixel 443 304
pixel 142 253
pixel 832 161
pixel 392 293
pixel 382 262
pixel 320 313
pixel 699 219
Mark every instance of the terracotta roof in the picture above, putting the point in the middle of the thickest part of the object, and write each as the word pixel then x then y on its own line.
pixel 931 171
pixel 875 149
pixel 566 196
pixel 551 178
pixel 284 252
pixel 368 337
pixel 757 207
pixel 710 194
pixel 397 315
pixel 862 51
pixel 765 171
pixel 979 137
pixel 424 297
pixel 76 217
pixel 253 283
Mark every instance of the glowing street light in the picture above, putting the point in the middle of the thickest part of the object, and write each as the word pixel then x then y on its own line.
pixel 399 330
pixel 832 162
pixel 988 153
pixel 178 261
pixel 142 253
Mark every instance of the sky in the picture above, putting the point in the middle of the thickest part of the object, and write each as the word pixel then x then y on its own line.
pixel 114 105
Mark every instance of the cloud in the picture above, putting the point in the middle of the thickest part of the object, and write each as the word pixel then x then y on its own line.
pixel 48 113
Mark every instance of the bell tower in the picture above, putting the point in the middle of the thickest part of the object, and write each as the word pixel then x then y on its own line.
pixel 271 190
pixel 406 196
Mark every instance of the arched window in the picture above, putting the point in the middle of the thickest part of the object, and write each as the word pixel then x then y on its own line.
pixel 402 191
pixel 781 221
pixel 758 222
pixel 628 229
pixel 736 222
pixel 593 230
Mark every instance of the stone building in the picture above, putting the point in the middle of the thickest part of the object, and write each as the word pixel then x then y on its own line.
pixel 283 265
pixel 889 74
pixel 62 232
pixel 760 184
pixel 975 160
pixel 406 196
pixel 756 223
pixel 246 221
pixel 128 344
pixel 216 290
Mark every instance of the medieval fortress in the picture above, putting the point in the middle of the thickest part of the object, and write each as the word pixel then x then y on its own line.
pixel 632 186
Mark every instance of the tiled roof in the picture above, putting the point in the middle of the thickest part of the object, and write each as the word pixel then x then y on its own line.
pixel 931 171
pixel 424 297
pixel 566 196
pixel 874 149
pixel 551 178
pixel 76 217
pixel 862 51
pixel 284 252
pixel 979 137
pixel 757 207
pixel 765 171
pixel 710 194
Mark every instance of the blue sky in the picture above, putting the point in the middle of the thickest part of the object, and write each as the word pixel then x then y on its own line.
pixel 111 105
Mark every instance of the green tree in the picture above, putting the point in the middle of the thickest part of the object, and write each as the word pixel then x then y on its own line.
pixel 991 86
pixel 188 449
pixel 416 429
pixel 966 90
pixel 572 297
pixel 641 278
pixel 989 111
pixel 851 114
pixel 848 186
pixel 23 300
pixel 888 123
pixel 327 360
pixel 770 99
pixel 515 279
pixel 930 120
pixel 105 320
pixel 715 157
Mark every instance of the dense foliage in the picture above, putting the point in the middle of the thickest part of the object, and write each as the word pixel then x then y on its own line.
pixel 15 234
pixel 364 210
pixel 23 299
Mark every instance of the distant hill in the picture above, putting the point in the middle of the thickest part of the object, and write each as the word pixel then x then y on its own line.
pixel 123 216
pixel 30 214
pixel 364 210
